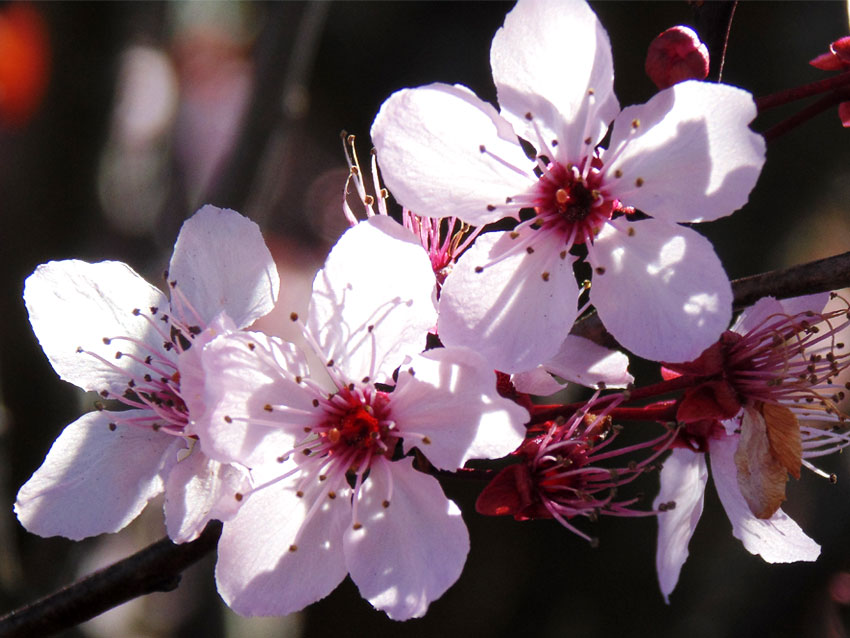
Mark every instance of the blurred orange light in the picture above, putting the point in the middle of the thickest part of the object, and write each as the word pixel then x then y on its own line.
pixel 24 61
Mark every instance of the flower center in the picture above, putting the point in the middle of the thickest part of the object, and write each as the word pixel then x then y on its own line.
pixel 357 424
pixel 571 202
pixel 793 359
pixel 358 427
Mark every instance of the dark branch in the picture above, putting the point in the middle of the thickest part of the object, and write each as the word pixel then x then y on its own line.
pixel 155 568
pixel 823 275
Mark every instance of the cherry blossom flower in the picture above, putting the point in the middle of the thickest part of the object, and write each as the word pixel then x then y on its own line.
pixel 337 491
pixel 106 330
pixel 443 238
pixel 578 360
pixel 687 155
pixel 764 398
pixel 564 473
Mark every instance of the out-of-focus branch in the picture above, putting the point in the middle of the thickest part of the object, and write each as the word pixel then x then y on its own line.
pixel 155 568
pixel 823 275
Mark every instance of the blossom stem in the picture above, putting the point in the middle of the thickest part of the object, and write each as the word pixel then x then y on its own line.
pixel 799 92
pixel 659 411
pixel 826 102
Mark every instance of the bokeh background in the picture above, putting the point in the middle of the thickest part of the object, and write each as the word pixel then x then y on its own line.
pixel 121 119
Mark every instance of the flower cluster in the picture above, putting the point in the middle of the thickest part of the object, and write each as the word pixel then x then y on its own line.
pixel 426 339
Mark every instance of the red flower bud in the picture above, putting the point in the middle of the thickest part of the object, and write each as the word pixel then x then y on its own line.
pixel 676 55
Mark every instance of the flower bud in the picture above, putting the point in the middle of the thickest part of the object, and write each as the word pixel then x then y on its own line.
pixel 676 55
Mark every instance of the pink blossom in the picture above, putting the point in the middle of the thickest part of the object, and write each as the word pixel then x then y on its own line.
pixel 779 353
pixel 687 155
pixel 336 490
pixel 565 471
pixel 105 329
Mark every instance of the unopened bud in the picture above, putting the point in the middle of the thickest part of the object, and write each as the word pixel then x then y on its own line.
pixel 676 55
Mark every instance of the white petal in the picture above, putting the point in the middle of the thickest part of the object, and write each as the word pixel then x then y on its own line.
pixel 664 294
pixel 756 314
pixel 449 396
pixel 537 381
pixel 191 368
pixel 693 151
pixel 255 411
pixel 259 574
pixel 429 143
pixel 73 304
pixel 509 313
pixel 582 361
pixel 683 480
pixel 778 539
pixel 199 490
pixel 546 59
pixel 373 302
pixel 812 303
pixel 762 309
pixel 221 263
pixel 409 553
pixel 95 479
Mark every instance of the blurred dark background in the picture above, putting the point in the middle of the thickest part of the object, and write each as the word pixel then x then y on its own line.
pixel 128 119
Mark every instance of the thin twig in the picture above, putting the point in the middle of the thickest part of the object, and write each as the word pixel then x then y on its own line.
pixel 713 22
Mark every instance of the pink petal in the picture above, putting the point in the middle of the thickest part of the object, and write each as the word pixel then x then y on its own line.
pixel 778 539
pixel 537 381
pixel 199 490
pixel 582 361
pixel 518 310
pixel 259 573
pixel 664 294
pixel 683 480
pixel 429 143
pixel 692 156
pixel 546 59
pixel 761 310
pixel 255 413
pixel 73 304
pixel 411 550
pixel 95 479
pixel 450 397
pixel 221 263
pixel 191 368
pixel 373 301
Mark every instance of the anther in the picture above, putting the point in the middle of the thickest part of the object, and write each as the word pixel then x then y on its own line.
pixel 293 316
